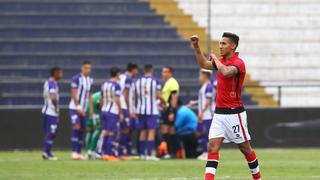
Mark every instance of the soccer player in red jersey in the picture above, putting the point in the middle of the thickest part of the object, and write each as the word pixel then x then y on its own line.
pixel 230 120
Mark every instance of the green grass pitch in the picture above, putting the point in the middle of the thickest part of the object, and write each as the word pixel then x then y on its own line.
pixel 280 164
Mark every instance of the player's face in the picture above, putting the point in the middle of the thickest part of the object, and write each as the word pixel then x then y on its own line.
pixel 86 69
pixel 58 75
pixel 166 74
pixel 226 46
pixel 135 72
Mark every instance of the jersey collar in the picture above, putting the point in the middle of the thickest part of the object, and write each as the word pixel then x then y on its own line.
pixel 236 56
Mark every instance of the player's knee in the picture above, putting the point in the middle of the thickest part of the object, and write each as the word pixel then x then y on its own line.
pixel 50 135
pixel 125 131
pixel 164 129
pixel 112 133
pixel 151 135
pixel 213 147
pixel 245 149
pixel 76 127
pixel 106 133
pixel 172 131
pixel 142 133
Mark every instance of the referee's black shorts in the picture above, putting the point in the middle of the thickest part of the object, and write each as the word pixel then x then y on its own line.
pixel 165 118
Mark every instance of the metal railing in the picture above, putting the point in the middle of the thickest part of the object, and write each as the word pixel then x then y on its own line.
pixel 279 89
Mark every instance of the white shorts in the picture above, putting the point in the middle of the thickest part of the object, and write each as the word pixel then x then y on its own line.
pixel 232 127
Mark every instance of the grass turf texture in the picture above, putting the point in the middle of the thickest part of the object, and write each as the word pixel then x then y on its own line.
pixel 277 164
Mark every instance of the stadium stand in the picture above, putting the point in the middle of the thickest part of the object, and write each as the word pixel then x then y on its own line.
pixel 38 34
pixel 187 27
pixel 278 41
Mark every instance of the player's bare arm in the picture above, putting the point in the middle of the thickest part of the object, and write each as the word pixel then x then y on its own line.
pixel 174 105
pixel 159 96
pixel 202 60
pixel 227 71
pixel 192 103
pixel 126 97
pixel 174 100
pixel 74 92
pixel 121 116
pixel 206 107
pixel 54 101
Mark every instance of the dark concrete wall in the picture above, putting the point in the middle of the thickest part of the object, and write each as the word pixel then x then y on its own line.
pixel 22 128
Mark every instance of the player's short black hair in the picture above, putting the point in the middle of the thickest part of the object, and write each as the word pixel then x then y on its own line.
pixel 86 62
pixel 131 67
pixel 114 71
pixel 148 68
pixel 54 70
pixel 170 69
pixel 233 37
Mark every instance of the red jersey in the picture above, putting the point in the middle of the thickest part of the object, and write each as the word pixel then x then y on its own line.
pixel 229 88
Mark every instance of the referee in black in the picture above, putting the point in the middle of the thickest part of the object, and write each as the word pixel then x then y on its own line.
pixel 170 94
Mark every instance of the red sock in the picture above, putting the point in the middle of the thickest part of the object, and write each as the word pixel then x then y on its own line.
pixel 211 167
pixel 254 166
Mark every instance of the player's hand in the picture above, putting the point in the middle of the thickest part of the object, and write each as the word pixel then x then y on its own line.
pixel 171 117
pixel 133 115
pixel 80 111
pixel 195 41
pixel 163 106
pixel 200 115
pixel 213 57
pixel 192 103
pixel 121 117
pixel 57 110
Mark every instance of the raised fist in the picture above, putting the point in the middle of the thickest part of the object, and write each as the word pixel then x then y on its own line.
pixel 194 39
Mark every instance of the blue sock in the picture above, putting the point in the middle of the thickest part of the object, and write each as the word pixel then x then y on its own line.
pixel 80 142
pixel 123 144
pixel 105 145
pixel 75 140
pixel 150 145
pixel 113 151
pixel 142 147
pixel 129 145
pixel 48 143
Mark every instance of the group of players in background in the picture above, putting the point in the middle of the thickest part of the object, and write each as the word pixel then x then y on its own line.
pixel 106 120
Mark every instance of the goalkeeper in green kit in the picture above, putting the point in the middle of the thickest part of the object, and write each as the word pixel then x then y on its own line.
pixel 94 127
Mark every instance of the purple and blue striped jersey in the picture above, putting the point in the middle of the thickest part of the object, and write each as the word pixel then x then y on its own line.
pixel 125 84
pixel 132 101
pixel 50 87
pixel 110 90
pixel 83 84
pixel 206 92
pixel 146 88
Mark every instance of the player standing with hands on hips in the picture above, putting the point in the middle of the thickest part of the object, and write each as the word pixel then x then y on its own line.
pixel 229 123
